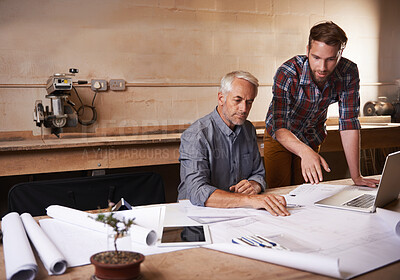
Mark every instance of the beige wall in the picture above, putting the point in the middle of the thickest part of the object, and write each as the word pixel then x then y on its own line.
pixel 177 42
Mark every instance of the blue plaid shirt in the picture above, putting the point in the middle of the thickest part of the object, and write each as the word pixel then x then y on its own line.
pixel 299 106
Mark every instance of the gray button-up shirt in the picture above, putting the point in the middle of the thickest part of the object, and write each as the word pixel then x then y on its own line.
pixel 212 156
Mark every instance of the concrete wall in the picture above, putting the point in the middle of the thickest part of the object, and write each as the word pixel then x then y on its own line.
pixel 177 42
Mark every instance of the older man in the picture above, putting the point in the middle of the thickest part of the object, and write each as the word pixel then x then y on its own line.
pixel 220 162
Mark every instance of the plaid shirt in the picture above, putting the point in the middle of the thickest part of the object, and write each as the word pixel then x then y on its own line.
pixel 299 106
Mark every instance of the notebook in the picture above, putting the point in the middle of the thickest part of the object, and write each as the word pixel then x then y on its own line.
pixel 366 199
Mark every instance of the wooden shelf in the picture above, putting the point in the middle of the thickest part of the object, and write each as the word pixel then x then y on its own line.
pixel 33 156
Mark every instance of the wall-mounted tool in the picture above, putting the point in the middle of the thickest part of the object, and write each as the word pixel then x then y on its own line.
pixel 61 113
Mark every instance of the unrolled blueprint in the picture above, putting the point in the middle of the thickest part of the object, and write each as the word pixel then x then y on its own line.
pixel 360 242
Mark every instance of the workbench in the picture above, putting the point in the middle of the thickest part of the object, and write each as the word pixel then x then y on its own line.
pixel 33 156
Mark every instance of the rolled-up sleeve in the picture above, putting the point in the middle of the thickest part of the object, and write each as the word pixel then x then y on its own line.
pixel 349 101
pixel 278 113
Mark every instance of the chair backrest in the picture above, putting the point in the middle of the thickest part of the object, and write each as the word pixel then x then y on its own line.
pixel 86 193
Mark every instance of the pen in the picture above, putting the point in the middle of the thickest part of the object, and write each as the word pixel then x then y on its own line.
pixel 254 240
pixel 263 239
pixel 294 205
pixel 275 245
pixel 235 240
pixel 257 241
pixel 261 242
pixel 250 242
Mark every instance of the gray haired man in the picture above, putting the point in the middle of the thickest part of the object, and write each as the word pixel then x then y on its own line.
pixel 221 165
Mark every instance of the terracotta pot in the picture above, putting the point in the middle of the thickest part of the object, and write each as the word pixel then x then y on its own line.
pixel 115 271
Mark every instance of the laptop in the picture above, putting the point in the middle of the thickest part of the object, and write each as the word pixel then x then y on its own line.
pixel 366 199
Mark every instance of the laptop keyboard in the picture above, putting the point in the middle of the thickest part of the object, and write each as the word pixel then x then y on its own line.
pixel 363 201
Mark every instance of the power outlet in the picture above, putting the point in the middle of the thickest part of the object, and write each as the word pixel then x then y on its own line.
pixel 117 84
pixel 99 85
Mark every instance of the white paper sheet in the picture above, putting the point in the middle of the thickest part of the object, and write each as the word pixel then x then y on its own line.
pixel 191 210
pixel 209 215
pixel 19 260
pixel 51 257
pixel 78 243
pixel 307 194
pixel 308 262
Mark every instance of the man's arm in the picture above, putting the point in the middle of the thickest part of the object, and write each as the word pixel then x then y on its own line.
pixel 351 147
pixel 274 204
pixel 310 160
pixel 195 167
pixel 349 125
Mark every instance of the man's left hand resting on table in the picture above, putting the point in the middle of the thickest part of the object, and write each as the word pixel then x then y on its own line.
pixel 246 187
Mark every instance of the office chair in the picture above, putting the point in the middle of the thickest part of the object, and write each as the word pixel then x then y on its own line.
pixel 86 193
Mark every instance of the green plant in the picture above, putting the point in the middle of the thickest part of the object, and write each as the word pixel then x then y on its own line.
pixel 120 227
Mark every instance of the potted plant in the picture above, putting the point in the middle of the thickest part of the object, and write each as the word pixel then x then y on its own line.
pixel 115 264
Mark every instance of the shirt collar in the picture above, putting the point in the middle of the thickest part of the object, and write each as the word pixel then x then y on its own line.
pixel 223 126
pixel 305 77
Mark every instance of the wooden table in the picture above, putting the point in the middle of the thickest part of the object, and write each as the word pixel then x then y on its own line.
pixel 201 263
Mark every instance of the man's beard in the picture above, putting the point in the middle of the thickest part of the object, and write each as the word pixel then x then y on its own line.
pixel 232 119
pixel 320 80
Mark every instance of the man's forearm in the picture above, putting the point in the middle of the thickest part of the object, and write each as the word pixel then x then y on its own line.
pixel 351 146
pixel 274 204
pixel 287 139
pixel 311 161
pixel 224 199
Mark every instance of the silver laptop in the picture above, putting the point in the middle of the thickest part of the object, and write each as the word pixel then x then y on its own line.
pixel 366 199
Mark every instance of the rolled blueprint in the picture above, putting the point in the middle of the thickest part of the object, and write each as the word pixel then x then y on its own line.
pixel 19 260
pixel 51 257
pixel 75 217
pixel 143 235
pixel 80 218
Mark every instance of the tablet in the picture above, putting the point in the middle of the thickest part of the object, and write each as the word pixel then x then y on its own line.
pixel 184 236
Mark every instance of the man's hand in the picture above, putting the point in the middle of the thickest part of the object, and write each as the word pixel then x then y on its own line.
pixel 311 166
pixel 246 187
pixel 310 160
pixel 361 181
pixel 274 204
